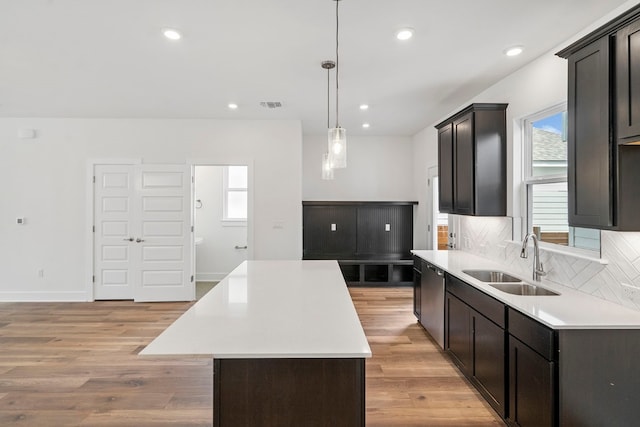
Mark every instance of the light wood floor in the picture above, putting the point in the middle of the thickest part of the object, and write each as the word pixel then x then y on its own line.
pixel 68 364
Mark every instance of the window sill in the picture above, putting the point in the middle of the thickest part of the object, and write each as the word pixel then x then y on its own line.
pixel 567 251
pixel 234 223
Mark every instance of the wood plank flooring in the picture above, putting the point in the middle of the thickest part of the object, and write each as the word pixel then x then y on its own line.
pixel 76 364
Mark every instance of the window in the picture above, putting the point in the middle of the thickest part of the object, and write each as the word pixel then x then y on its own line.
pixel 545 179
pixel 235 193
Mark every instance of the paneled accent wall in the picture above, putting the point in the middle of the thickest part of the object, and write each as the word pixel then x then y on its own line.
pixel 491 238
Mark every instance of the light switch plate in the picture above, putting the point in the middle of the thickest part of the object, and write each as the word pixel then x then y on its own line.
pixel 387 227
pixel 334 227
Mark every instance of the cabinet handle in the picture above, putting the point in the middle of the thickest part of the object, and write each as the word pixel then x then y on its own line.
pixel 130 239
pixel 138 240
pixel 241 247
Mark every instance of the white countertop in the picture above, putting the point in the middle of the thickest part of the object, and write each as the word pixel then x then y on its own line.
pixel 571 309
pixel 270 309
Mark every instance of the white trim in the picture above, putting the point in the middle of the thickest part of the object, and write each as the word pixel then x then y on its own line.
pixel 210 277
pixel 432 218
pixel 568 251
pixel 70 296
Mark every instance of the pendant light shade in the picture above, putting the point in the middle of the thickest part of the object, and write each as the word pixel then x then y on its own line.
pixel 327 168
pixel 338 147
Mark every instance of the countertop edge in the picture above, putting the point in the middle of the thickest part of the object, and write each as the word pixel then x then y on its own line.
pixel 512 301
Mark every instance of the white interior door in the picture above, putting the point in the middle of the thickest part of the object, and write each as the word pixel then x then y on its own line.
pixel 165 233
pixel 113 234
pixel 143 234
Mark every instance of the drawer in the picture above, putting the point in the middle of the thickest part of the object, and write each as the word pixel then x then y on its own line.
pixel 532 333
pixel 484 304
pixel 417 262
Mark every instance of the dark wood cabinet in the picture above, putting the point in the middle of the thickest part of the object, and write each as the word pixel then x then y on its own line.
pixel 589 141
pixel 372 241
pixel 458 333
pixel 604 125
pixel 532 373
pixel 472 161
pixel 445 168
pixel 417 287
pixel 475 342
pixel 628 82
pixel 536 376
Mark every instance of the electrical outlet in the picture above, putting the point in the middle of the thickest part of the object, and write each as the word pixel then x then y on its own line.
pixel 630 292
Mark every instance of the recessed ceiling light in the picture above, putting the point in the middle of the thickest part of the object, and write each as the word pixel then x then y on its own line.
pixel 513 51
pixel 404 33
pixel 366 125
pixel 364 107
pixel 233 106
pixel 172 34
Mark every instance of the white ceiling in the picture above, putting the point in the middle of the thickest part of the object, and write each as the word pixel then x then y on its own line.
pixel 107 58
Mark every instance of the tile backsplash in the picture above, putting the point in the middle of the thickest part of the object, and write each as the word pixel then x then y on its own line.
pixel 618 281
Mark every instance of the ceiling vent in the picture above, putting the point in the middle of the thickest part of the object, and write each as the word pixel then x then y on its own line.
pixel 271 104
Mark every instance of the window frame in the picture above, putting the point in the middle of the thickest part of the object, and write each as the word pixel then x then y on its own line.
pixel 226 189
pixel 529 181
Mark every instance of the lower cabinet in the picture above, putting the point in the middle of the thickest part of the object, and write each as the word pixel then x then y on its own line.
pixel 535 376
pixel 532 372
pixel 531 387
pixel 476 339
pixel 417 283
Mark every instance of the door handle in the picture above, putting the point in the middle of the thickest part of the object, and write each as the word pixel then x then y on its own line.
pixel 130 239
pixel 241 247
pixel 138 240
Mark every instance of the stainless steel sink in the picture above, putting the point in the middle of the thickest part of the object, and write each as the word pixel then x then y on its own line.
pixel 523 289
pixel 491 276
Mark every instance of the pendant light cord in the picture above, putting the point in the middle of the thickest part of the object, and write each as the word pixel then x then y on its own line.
pixel 328 96
pixel 337 62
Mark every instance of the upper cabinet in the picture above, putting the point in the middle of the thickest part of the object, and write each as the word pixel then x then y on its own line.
pixel 472 161
pixel 628 82
pixel 604 125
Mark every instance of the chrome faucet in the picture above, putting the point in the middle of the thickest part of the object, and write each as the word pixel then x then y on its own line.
pixel 538 269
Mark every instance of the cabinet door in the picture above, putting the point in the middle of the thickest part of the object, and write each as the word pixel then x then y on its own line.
pixel 445 168
pixel 385 230
pixel 628 81
pixel 531 387
pixel 463 184
pixel 458 333
pixel 417 283
pixel 590 201
pixel 489 361
pixel 329 232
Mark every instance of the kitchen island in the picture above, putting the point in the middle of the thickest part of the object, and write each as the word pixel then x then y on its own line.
pixel 287 345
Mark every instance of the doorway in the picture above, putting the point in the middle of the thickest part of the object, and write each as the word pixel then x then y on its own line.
pixel 142 234
pixel 439 221
pixel 221 213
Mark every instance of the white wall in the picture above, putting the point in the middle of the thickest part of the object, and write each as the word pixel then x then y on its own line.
pixel 216 256
pixel 45 180
pixel 378 169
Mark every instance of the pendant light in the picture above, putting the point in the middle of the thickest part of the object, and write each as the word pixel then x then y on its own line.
pixel 327 167
pixel 338 135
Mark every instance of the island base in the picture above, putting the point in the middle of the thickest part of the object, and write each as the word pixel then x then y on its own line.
pixel 289 392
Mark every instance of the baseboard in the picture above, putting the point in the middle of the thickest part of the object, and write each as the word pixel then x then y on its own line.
pixel 8 296
pixel 210 277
